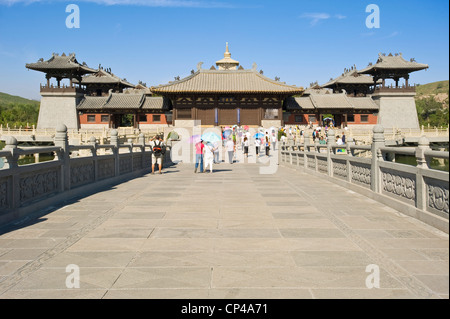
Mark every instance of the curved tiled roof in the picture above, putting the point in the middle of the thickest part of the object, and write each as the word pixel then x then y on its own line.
pixel 155 103
pixel 60 63
pixel 124 101
pixel 92 102
pixel 352 77
pixel 393 62
pixel 117 101
pixel 363 103
pixel 227 81
pixel 330 101
pixel 103 77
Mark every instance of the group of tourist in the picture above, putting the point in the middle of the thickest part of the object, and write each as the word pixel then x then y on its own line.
pixel 240 138
pixel 237 139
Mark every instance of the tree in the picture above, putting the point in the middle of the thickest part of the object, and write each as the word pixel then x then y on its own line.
pixel 432 112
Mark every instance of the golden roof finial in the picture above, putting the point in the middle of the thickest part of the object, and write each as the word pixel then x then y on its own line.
pixel 227 52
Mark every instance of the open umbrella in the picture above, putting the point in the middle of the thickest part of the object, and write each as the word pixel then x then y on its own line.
pixel 211 137
pixel 258 135
pixel 194 139
pixel 246 127
pixel 227 133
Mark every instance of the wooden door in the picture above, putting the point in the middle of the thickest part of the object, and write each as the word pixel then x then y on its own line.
pixel 227 116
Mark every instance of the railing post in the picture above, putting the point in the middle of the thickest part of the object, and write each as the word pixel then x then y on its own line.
pixel 141 141
pixel 93 143
pixel 115 143
pixel 291 150
pixel 422 163
pixel 331 141
pixel 130 142
pixel 62 141
pixel 12 164
pixel 348 164
pixel 378 141
pixel 305 149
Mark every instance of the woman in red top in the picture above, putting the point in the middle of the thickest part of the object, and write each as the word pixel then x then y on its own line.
pixel 199 147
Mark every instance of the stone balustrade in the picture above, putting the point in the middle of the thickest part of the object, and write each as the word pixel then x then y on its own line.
pixel 28 188
pixel 417 191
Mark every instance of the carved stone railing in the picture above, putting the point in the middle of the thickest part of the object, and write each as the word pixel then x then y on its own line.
pixel 61 89
pixel 399 89
pixel 418 191
pixel 75 170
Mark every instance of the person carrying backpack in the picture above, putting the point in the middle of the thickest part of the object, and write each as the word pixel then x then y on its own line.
pixel 158 148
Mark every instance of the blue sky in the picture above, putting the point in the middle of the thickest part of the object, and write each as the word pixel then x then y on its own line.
pixel 157 40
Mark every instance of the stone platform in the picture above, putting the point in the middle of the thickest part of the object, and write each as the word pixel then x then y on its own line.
pixel 230 234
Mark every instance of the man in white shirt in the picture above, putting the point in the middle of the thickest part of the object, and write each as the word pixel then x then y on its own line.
pixel 257 145
pixel 230 149
pixel 209 156
pixel 274 139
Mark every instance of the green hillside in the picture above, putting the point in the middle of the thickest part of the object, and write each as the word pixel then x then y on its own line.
pixel 6 99
pixel 432 88
pixel 18 111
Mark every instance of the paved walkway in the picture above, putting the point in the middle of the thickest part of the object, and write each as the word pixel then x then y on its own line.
pixel 230 234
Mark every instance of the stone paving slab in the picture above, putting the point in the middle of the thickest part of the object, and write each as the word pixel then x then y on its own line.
pixel 232 234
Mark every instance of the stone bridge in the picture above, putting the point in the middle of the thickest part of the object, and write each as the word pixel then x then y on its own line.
pixel 319 226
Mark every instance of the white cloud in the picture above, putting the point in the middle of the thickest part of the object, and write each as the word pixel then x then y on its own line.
pixel 318 17
pixel 393 34
pixel 315 17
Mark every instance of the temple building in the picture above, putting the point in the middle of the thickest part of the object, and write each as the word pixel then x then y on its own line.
pixel 224 95
pixel 95 98
pixel 58 103
pixel 101 82
pixel 352 83
pixel 314 109
pixel 396 102
pixel 227 95
pixel 123 110
pixel 395 67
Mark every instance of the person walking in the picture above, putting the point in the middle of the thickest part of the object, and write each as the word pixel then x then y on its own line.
pixel 267 144
pixel 257 145
pixel 216 153
pixel 199 149
pixel 274 140
pixel 246 144
pixel 209 157
pixel 230 150
pixel 157 152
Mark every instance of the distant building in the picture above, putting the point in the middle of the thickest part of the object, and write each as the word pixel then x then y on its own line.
pixel 95 98
pixel 397 103
pixel 226 94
